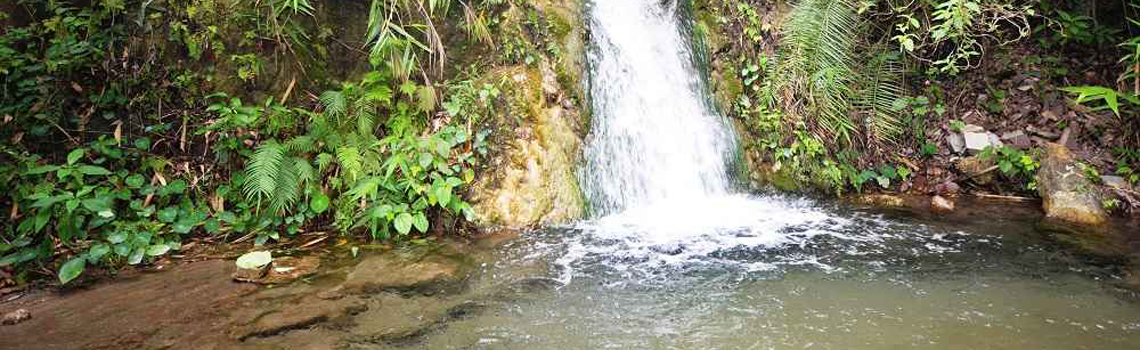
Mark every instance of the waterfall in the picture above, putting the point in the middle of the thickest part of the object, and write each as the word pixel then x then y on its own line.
pixel 655 137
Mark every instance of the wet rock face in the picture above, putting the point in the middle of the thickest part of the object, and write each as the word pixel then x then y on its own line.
pixel 1068 196
pixel 534 182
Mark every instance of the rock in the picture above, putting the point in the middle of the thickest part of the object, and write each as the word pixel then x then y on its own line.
pixel 1068 195
pixel 535 182
pixel 16 317
pixel 957 142
pixel 995 141
pixel 390 272
pixel 1042 133
pixel 1115 182
pixel 882 200
pixel 976 138
pixel 947 188
pixel 282 270
pixel 1018 139
pixel 300 313
pixel 976 168
pixel 939 204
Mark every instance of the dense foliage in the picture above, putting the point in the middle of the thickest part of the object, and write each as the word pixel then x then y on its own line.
pixel 128 126
pixel 840 92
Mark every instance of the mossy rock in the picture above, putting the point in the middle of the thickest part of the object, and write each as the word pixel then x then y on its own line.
pixel 534 181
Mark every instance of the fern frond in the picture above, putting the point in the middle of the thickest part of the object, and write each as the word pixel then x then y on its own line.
pixel 287 190
pixel 350 161
pixel 882 87
pixel 263 170
pixel 335 103
pixel 815 71
pixel 305 172
pixel 324 160
pixel 301 144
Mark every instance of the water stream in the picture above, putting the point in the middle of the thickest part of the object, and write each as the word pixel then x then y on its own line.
pixel 673 258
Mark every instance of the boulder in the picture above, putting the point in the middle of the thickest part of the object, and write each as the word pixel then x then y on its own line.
pixel 1068 195
pixel 941 205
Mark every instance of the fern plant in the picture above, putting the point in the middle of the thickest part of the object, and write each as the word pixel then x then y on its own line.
pixel 815 67
pixel 377 166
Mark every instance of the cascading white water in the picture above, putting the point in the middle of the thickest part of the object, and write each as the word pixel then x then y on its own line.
pixel 657 173
pixel 655 137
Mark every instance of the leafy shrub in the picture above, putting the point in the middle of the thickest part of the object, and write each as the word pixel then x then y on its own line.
pixel 96 214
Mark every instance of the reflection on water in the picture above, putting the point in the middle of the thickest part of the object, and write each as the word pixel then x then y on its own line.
pixel 779 273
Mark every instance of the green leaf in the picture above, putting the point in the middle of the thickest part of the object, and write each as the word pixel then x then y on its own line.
pixel 254 260
pixel 883 181
pixel 1006 166
pixel 403 223
pixel 100 206
pixel 49 201
pixel 157 249
pixel 93 170
pixel 443 195
pixel 42 169
pixel 117 237
pixel 24 255
pixel 168 214
pixel 122 250
pixel 135 181
pixel 421 222
pixel 136 256
pixel 75 155
pixel 454 182
pixel 143 144
pixel 97 252
pixel 71 269
pixel 42 217
pixel 319 203
pixel 184 225
pixel 212 226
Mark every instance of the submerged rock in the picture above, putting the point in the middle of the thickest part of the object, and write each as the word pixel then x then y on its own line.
pixel 16 317
pixel 939 204
pixel 427 274
pixel 1068 195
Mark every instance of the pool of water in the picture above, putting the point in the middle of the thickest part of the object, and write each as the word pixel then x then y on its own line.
pixel 771 272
